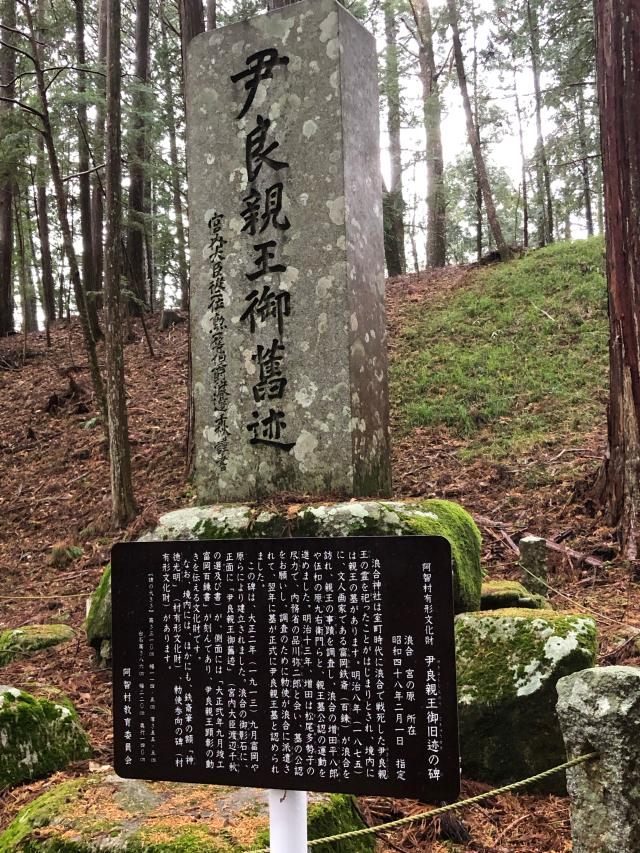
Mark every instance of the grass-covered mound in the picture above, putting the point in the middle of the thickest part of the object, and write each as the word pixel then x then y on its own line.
pixel 524 347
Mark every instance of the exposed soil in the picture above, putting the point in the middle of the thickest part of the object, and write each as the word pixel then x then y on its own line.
pixel 55 490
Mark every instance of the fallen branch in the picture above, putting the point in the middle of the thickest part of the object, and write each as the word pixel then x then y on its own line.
pixel 581 559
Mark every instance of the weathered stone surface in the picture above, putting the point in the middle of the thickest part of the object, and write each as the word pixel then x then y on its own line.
pixel 98 624
pixel 103 812
pixel 37 736
pixel 508 663
pixel 497 594
pixel 325 302
pixel 355 518
pixel 599 711
pixel 18 643
pixel 533 561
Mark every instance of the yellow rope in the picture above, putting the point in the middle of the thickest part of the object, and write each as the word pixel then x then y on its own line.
pixel 394 824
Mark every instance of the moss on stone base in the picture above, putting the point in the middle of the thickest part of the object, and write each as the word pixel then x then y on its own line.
pixel 98 624
pixel 37 736
pixel 19 643
pixel 508 662
pixel 497 594
pixel 131 816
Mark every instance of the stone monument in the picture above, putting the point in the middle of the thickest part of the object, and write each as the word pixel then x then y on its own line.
pixel 287 268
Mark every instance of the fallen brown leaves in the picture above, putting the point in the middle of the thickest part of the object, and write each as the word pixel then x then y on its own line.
pixel 54 477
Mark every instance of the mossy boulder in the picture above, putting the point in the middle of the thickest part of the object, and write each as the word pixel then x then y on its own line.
pixel 103 811
pixel 508 663
pixel 37 736
pixel 98 624
pixel 355 518
pixel 19 643
pixel 497 594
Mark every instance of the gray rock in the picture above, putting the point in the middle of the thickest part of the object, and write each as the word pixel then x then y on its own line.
pixel 533 561
pixel 599 711
pixel 355 518
pixel 18 643
pixel 37 736
pixel 104 812
pixel 508 662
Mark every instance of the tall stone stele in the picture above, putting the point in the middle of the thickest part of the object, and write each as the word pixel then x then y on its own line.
pixel 287 282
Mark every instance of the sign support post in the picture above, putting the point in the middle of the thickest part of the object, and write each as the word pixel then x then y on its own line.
pixel 287 821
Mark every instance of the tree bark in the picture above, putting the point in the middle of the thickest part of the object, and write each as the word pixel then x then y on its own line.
pixel 523 160
pixel 584 165
pixel 618 60
pixel 122 500
pixel 29 303
pixel 97 188
pixel 42 216
pixel 84 180
pixel 474 142
pixel 211 15
pixel 546 199
pixel 432 116
pixel 192 24
pixel 63 216
pixel 394 201
pixel 7 73
pixel 135 261
pixel 181 243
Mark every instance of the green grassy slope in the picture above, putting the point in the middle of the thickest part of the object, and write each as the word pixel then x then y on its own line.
pixel 514 361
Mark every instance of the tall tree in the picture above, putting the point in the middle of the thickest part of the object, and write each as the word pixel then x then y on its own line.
pixel 44 115
pixel 472 135
pixel 542 163
pixel 432 117
pixel 122 500
pixel 618 61
pixel 175 170
pixel 7 174
pixel 97 188
pixel 84 178
pixel 135 265
pixel 393 199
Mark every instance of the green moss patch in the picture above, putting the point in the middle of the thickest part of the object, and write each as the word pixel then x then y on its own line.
pixel 37 736
pixel 496 594
pixel 131 816
pixel 19 643
pixel 508 662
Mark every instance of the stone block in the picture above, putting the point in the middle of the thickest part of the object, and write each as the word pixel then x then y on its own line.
pixel 287 267
pixel 599 711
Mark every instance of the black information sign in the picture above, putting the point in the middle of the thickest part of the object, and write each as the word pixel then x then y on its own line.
pixel 309 664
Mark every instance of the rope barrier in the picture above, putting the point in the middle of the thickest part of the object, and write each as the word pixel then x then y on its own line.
pixel 487 795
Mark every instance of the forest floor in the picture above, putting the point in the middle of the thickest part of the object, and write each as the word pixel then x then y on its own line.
pixel 54 495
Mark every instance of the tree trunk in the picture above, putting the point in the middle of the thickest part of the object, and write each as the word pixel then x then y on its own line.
pixel 394 201
pixel 432 115
pixel 523 160
pixel 176 175
pixel 86 230
pixel 7 73
pixel 135 261
pixel 28 300
pixel 211 15
pixel 97 188
pixel 122 500
pixel 546 200
pixel 584 165
pixel 42 217
pixel 63 215
pixel 618 60
pixel 192 24
pixel 474 142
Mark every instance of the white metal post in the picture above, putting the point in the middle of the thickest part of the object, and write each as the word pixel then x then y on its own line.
pixel 287 821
